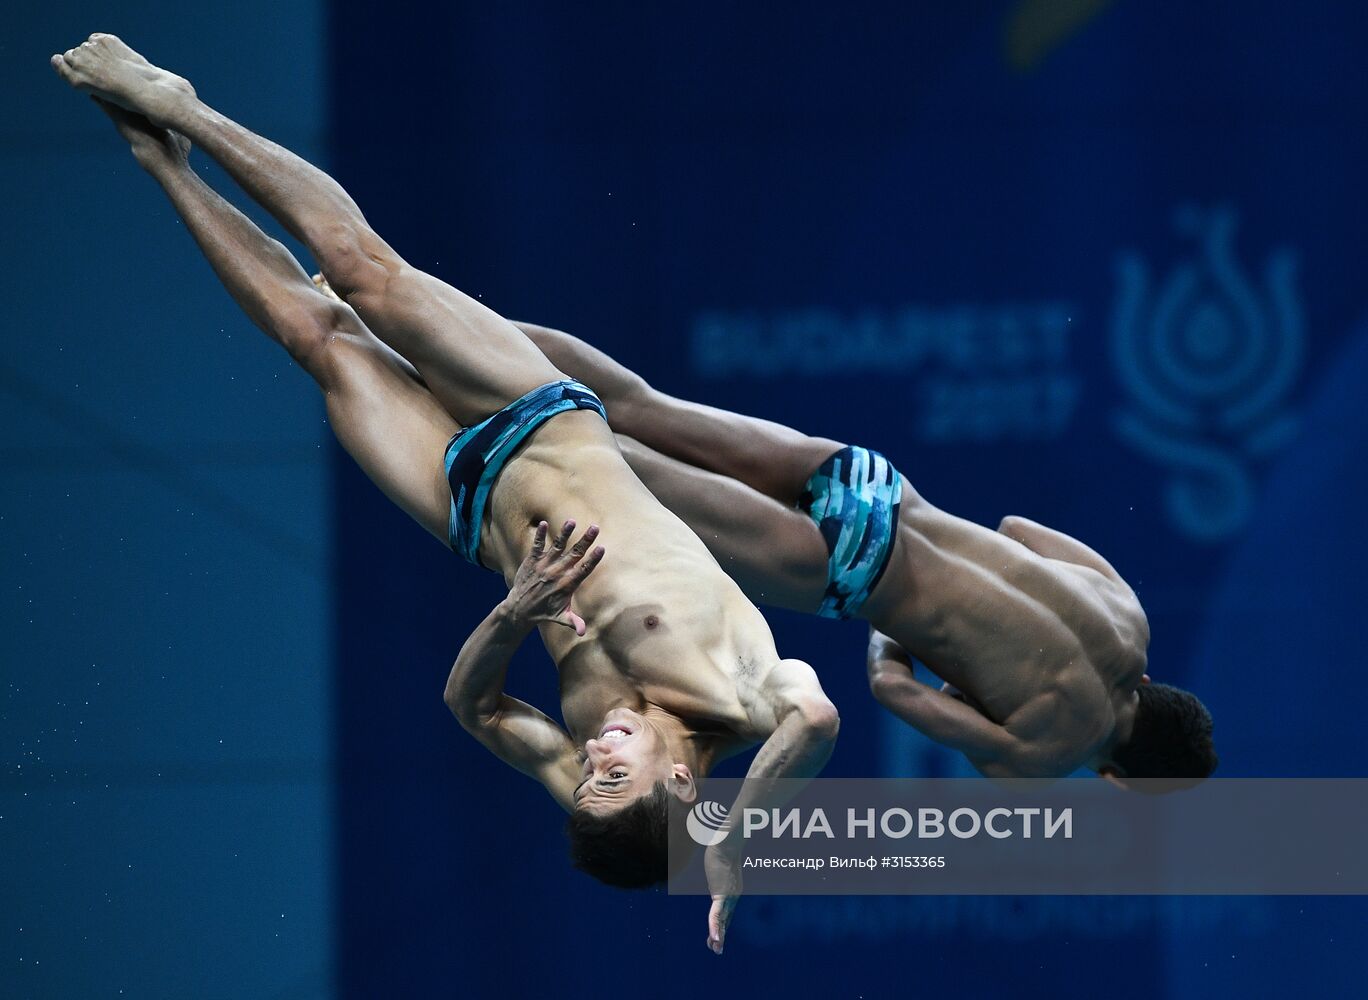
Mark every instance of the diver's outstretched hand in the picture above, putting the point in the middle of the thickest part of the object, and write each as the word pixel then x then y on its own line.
pixel 723 868
pixel 550 575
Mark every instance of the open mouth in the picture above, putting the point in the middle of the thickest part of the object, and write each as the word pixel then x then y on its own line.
pixel 615 732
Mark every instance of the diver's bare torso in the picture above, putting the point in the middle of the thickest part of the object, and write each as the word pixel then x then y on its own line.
pixel 667 629
pixel 1051 650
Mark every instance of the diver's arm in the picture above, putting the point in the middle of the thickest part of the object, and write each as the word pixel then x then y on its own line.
pixel 795 752
pixel 808 723
pixel 938 715
pixel 516 732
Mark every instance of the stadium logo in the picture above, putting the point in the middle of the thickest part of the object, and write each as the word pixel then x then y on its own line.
pixel 708 823
pixel 1207 360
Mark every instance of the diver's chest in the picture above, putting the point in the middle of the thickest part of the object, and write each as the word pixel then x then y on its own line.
pixel 645 663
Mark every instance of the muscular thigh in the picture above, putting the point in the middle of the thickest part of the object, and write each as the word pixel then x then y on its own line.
pixel 774 459
pixel 391 425
pixel 774 552
pixel 474 361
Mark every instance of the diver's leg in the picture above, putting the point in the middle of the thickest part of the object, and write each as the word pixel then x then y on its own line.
pixel 472 360
pixel 768 457
pixel 385 419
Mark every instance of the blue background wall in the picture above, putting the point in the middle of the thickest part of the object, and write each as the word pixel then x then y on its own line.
pixel 165 626
pixel 1095 263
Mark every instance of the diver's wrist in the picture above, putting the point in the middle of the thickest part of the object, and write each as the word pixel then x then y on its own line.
pixel 508 615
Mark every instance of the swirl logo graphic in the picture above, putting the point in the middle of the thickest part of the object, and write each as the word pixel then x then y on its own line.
pixel 1207 360
pixel 708 823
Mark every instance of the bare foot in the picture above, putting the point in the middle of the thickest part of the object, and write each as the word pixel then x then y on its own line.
pixel 105 67
pixel 152 145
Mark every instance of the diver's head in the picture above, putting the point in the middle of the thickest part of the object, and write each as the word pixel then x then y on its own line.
pixel 1170 739
pixel 620 827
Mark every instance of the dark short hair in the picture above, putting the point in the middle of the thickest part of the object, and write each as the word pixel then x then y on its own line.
pixel 627 848
pixel 1171 737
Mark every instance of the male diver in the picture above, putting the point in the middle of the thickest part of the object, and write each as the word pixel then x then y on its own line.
pixel 1040 642
pixel 665 666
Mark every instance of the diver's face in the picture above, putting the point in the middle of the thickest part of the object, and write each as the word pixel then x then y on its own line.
pixel 622 763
